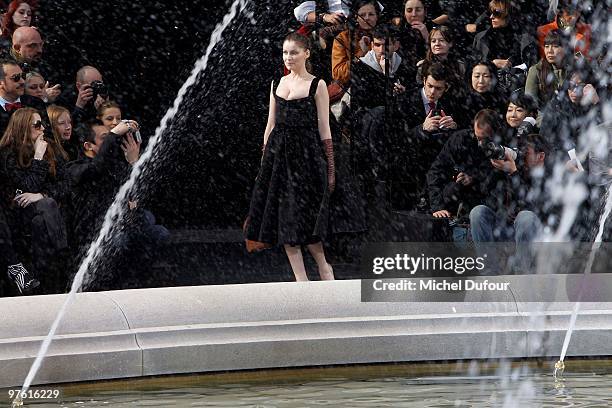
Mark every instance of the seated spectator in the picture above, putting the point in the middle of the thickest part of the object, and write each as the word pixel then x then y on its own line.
pixel 372 94
pixel 506 45
pixel 483 92
pixel 109 114
pixel 351 44
pixel 88 94
pixel 36 86
pixel 96 178
pixel 35 167
pixel 441 45
pixel 567 21
pixel 424 122
pixel 370 87
pixel 61 126
pixel 454 178
pixel 12 88
pixel 9 260
pixel 414 33
pixel 19 13
pixel 546 78
pixel 330 21
pixel 511 208
pixel 520 117
pixel 570 114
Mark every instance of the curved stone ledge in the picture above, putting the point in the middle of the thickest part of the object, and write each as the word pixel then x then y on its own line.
pixel 211 328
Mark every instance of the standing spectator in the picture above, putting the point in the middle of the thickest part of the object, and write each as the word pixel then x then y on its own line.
pixel 351 44
pixel 19 13
pixel 290 202
pixel 36 168
pixel 61 126
pixel 546 77
pixel 37 86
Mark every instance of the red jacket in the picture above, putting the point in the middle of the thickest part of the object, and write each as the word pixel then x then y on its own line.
pixel 582 34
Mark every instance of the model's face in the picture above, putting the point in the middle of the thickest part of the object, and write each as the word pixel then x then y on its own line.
pixel 23 15
pixel 111 117
pixel 35 86
pixel 14 81
pixel 568 18
pixel 439 45
pixel 482 80
pixel 64 126
pixel 294 55
pixel 515 115
pixel 554 53
pixel 414 11
pixel 36 127
pixel 367 17
pixel 101 133
pixel 434 89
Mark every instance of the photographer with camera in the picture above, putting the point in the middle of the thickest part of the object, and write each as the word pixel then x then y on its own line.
pixel 88 94
pixel 453 181
pixel 96 178
pixel 514 199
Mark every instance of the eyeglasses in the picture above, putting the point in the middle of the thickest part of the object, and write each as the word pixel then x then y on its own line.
pixel 498 13
pixel 17 77
pixel 38 124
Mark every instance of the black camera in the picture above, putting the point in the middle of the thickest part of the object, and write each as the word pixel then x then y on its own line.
pixel 526 128
pixel 99 88
pixel 496 151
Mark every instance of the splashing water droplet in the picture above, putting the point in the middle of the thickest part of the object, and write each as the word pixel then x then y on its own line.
pixel 559 369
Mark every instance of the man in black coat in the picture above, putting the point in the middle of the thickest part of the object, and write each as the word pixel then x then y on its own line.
pixel 88 93
pixel 96 179
pixel 455 176
pixel 423 123
pixel 12 88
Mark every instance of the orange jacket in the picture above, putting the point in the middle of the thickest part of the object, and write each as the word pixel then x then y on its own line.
pixel 341 56
pixel 582 37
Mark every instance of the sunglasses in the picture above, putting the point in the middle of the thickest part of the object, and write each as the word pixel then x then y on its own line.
pixel 17 77
pixel 498 13
pixel 37 125
pixel 37 86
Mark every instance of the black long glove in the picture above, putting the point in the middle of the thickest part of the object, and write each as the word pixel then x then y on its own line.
pixel 331 167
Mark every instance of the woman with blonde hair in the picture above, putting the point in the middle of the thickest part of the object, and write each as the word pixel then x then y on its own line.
pixel 35 183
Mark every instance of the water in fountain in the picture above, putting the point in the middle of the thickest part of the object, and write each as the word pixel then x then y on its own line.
pixel 596 244
pixel 115 211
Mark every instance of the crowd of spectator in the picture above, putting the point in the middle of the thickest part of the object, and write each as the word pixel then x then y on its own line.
pixel 65 151
pixel 464 109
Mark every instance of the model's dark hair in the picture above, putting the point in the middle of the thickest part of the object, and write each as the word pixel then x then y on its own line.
pixel 437 70
pixel 538 141
pixel 386 31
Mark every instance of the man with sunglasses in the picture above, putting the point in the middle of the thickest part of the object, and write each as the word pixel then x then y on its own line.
pixel 12 88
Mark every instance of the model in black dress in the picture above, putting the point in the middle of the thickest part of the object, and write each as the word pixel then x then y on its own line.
pixel 290 202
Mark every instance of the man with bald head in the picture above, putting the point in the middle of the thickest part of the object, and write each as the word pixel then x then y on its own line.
pixel 27 45
pixel 80 99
